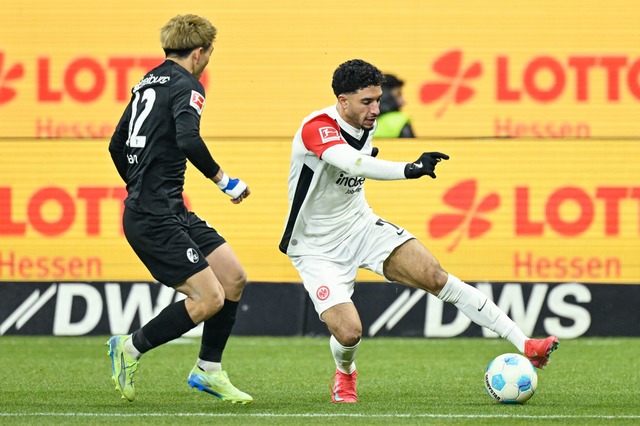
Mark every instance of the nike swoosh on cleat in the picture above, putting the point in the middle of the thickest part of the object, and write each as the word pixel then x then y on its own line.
pixel 335 394
pixel 122 377
pixel 481 307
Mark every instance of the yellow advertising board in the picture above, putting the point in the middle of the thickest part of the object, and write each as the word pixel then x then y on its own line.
pixel 488 68
pixel 500 210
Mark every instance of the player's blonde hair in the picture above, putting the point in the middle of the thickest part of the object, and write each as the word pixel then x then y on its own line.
pixel 183 33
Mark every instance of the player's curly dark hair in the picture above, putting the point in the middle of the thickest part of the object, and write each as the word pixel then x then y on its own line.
pixel 354 75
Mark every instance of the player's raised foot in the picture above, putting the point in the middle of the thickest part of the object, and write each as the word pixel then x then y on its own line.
pixel 539 350
pixel 218 385
pixel 123 367
pixel 344 387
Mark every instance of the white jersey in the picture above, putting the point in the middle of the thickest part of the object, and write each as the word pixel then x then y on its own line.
pixel 326 204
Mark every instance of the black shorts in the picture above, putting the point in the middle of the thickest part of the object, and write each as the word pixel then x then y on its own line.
pixel 173 248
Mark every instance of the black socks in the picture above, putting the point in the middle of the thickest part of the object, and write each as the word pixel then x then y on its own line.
pixel 171 323
pixel 216 332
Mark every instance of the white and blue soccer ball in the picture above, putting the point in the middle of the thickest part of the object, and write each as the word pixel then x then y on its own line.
pixel 511 379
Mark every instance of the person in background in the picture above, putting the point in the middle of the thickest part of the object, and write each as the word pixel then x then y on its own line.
pixel 158 132
pixel 392 122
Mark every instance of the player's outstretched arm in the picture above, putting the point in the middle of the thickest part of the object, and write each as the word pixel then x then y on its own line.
pixel 354 162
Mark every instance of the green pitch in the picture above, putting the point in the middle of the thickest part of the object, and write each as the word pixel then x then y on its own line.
pixel 47 380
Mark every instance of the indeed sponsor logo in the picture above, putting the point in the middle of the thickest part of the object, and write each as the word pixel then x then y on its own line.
pixel 349 181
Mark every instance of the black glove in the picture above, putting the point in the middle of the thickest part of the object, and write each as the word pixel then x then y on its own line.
pixel 374 152
pixel 425 165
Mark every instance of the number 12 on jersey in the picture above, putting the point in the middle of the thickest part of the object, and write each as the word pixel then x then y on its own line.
pixel 148 99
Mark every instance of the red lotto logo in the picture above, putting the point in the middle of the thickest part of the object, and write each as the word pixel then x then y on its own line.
pixel 452 84
pixel 467 222
pixel 541 79
pixel 7 74
pixel 84 79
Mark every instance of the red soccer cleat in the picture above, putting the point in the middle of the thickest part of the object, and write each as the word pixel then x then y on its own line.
pixel 539 350
pixel 344 387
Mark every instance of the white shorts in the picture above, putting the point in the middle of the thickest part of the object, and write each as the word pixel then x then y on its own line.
pixel 329 277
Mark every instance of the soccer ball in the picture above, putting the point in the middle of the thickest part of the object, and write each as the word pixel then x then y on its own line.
pixel 511 379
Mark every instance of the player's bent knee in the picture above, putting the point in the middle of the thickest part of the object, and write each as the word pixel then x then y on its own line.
pixel 234 287
pixel 434 279
pixel 240 280
pixel 206 311
pixel 214 305
pixel 348 337
pixel 203 308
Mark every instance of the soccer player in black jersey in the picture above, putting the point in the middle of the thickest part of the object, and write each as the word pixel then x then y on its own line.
pixel 158 132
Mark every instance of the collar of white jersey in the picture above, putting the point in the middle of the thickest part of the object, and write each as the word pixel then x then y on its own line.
pixel 356 133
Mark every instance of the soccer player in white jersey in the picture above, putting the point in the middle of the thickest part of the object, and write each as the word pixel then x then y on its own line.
pixel 331 231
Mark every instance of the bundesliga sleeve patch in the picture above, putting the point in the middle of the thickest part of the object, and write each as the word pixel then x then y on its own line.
pixel 197 101
pixel 329 134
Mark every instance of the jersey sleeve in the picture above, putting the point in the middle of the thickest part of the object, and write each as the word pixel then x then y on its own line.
pixel 321 133
pixel 188 98
pixel 188 101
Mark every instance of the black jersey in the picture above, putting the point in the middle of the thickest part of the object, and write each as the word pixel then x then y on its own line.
pixel 158 132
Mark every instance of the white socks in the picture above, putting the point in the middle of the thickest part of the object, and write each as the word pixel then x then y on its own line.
pixel 475 305
pixel 131 350
pixel 209 366
pixel 343 355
